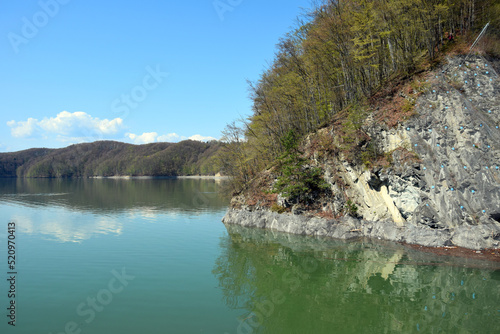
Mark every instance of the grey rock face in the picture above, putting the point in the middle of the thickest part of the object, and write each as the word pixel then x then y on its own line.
pixel 457 138
pixel 451 196
pixel 346 228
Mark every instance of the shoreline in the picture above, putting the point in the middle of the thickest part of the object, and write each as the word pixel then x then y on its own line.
pixel 460 241
pixel 127 177
pixel 207 177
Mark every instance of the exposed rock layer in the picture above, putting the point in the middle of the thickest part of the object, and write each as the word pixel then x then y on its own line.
pixel 449 195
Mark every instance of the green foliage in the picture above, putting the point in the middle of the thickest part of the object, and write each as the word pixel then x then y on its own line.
pixel 352 208
pixel 351 133
pixel 420 86
pixel 323 144
pixel 297 181
pixel 369 155
pixel 13 164
pixel 239 158
pixel 408 106
pixel 290 142
pixel 277 208
pixel 352 124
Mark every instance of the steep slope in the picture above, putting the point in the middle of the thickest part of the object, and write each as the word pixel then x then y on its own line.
pixel 433 180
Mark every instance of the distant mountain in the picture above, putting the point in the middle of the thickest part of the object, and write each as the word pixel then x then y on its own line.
pixel 110 158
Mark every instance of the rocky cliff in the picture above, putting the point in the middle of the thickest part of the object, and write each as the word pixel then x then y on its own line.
pixel 439 185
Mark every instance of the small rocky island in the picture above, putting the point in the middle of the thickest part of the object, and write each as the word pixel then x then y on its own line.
pixel 433 181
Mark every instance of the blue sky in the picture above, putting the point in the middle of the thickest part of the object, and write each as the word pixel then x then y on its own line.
pixel 134 71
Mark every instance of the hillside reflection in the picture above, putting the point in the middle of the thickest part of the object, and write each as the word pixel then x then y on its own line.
pixel 111 195
pixel 78 209
pixel 292 284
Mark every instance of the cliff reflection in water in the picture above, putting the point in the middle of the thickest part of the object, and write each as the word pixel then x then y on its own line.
pixel 292 284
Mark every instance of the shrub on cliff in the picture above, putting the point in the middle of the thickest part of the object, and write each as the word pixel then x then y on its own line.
pixel 297 182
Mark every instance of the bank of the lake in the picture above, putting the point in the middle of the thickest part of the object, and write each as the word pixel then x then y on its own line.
pixel 193 177
pixel 455 241
pixel 434 182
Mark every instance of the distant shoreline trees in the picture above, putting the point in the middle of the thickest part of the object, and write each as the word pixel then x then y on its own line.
pixel 109 158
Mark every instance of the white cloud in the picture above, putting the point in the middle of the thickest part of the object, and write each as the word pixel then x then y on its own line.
pixel 23 129
pixel 66 123
pixel 201 138
pixel 171 137
pixel 65 229
pixel 78 126
pixel 153 137
pixel 145 138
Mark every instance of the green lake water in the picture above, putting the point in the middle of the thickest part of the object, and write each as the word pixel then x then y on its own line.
pixel 152 256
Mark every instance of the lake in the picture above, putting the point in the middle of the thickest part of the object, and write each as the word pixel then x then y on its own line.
pixel 152 256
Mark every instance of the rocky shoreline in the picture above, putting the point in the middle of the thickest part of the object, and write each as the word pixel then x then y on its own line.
pixel 347 228
pixel 440 188
pixel 415 254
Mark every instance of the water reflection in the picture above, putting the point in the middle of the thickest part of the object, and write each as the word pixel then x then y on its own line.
pixel 76 210
pixel 64 228
pixel 291 284
pixel 112 195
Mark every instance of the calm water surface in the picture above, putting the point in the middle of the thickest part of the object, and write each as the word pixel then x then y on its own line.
pixel 151 256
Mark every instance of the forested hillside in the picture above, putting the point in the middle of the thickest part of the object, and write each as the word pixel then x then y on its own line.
pixel 331 66
pixel 109 158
